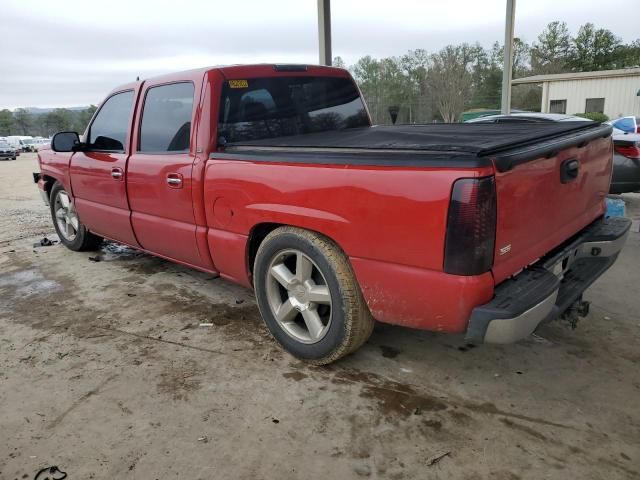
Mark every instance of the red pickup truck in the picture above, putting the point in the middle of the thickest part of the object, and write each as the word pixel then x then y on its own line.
pixel 274 177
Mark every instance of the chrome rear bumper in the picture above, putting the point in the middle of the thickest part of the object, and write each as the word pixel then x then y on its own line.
pixel 545 290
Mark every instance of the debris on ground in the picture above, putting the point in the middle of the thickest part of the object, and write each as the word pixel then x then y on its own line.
pixel 206 324
pixel 45 242
pixel 434 460
pixel 95 259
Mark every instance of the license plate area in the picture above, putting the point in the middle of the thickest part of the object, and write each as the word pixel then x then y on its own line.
pixel 563 263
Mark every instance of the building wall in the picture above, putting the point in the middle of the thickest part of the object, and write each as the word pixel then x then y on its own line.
pixel 620 94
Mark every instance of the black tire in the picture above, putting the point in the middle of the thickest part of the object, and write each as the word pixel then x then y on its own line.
pixel 84 239
pixel 350 322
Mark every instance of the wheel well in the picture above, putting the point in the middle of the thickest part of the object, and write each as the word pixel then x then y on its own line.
pixel 257 235
pixel 48 183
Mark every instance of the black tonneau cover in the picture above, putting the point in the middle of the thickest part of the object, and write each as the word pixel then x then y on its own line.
pixel 508 143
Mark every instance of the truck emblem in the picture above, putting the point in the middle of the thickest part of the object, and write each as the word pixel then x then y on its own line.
pixel 506 249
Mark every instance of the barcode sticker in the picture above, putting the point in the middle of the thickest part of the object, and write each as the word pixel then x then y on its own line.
pixel 238 84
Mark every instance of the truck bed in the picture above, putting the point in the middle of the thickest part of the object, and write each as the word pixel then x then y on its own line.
pixel 435 142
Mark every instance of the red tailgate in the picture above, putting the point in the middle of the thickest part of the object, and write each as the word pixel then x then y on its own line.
pixel 537 211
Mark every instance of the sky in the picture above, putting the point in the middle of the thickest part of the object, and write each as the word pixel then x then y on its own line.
pixel 66 53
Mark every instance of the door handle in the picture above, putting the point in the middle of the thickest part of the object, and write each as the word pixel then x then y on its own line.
pixel 174 180
pixel 116 173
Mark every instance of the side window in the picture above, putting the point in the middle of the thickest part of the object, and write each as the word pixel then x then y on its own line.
pixel 109 129
pixel 594 105
pixel 558 106
pixel 166 118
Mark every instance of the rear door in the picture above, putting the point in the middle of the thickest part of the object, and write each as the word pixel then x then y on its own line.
pixel 98 173
pixel 539 208
pixel 159 173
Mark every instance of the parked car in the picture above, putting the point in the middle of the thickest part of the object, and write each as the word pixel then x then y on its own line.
pixel 528 117
pixel 630 124
pixel 16 142
pixel 29 144
pixel 626 163
pixel 626 156
pixel 274 177
pixel 7 151
pixel 40 142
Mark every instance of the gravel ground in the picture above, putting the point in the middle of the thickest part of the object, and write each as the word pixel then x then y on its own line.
pixel 106 372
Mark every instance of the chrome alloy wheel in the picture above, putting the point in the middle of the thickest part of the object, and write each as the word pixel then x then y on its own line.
pixel 66 216
pixel 299 296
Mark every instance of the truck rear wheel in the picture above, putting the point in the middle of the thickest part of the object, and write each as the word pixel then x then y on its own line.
pixel 72 233
pixel 309 297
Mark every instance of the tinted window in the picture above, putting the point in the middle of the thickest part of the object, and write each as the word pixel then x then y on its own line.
pixel 276 107
pixel 166 118
pixel 109 128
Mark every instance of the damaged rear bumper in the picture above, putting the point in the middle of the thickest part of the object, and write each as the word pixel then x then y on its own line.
pixel 545 290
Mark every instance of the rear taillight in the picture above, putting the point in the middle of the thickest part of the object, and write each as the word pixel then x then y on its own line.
pixel 628 149
pixel 471 227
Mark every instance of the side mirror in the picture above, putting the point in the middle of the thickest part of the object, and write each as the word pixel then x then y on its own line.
pixel 65 142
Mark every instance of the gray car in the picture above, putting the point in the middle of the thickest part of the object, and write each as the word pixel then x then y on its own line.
pixel 626 147
pixel 626 163
pixel 7 151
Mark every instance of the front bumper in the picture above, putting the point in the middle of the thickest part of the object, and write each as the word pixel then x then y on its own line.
pixel 42 187
pixel 545 290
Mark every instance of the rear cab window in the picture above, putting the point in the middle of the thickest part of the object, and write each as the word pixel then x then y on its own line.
pixel 259 108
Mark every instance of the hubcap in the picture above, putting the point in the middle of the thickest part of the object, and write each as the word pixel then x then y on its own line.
pixel 66 216
pixel 299 296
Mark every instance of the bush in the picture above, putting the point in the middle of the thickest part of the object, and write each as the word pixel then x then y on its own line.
pixel 595 116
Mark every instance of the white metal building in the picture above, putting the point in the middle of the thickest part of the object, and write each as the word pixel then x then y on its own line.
pixel 615 93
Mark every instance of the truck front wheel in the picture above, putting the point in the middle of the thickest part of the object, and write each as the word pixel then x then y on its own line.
pixel 72 233
pixel 309 297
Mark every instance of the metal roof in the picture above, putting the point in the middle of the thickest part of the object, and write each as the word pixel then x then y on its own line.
pixel 559 77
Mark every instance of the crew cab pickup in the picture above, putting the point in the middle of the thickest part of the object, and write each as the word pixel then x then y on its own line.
pixel 273 177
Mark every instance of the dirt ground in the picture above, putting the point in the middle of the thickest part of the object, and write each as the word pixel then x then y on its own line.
pixel 106 372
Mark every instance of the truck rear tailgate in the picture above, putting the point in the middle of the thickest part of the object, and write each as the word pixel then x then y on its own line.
pixel 546 200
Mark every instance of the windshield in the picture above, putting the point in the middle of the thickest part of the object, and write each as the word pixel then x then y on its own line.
pixel 27 142
pixel 260 108
pixel 4 145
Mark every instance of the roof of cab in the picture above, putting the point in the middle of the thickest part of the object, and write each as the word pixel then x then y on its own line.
pixel 234 71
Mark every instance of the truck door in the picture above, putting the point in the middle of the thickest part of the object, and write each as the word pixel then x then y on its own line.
pixel 98 172
pixel 159 174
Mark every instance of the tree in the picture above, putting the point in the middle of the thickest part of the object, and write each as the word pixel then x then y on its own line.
pixel 58 120
pixel 383 84
pixel 450 80
pixel 628 55
pixel 23 121
pixel 551 53
pixel 6 122
pixel 83 117
pixel 594 49
pixel 338 62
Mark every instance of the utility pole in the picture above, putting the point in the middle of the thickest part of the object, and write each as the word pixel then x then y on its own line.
pixel 505 104
pixel 324 31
